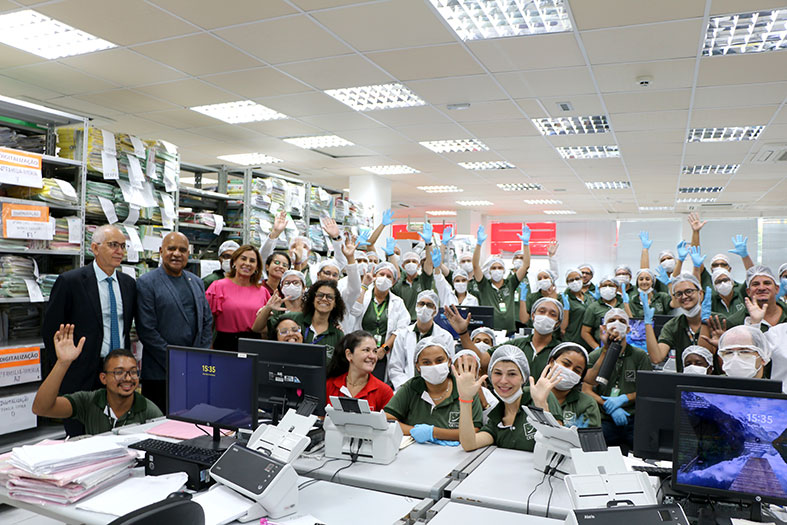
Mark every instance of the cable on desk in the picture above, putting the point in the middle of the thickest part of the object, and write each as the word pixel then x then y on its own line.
pixel 551 488
pixel 308 483
pixel 321 466
pixel 353 457
pixel 546 472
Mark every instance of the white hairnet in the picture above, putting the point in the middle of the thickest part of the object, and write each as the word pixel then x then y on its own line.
pixel 511 353
pixel 385 264
pixel 647 271
pixel 609 278
pixel 305 240
pixel 459 273
pixel 543 300
pixel 466 255
pixel 552 275
pixel 296 273
pixel 759 270
pixel 361 255
pixel 484 330
pixel 465 351
pixel 573 346
pixel 428 294
pixel 700 351
pixel 615 312
pixel 433 341
pixel 720 257
pixel 686 277
pixel 718 271
pixel 588 266
pixel 572 270
pixel 624 267
pixel 743 336
pixel 410 256
pixel 493 259
pixel 228 246
pixel 782 269
pixel 329 262
pixel 518 252
pixel 666 253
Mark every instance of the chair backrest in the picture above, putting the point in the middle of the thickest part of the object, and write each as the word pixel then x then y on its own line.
pixel 176 509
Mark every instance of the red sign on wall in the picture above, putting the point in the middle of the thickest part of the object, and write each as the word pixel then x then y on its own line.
pixel 401 233
pixel 503 236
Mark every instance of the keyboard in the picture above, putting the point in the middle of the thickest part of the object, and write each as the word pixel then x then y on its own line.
pixel 205 456
pixel 652 470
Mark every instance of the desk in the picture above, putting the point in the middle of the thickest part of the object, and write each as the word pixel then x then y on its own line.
pixel 419 471
pixel 453 513
pixel 505 479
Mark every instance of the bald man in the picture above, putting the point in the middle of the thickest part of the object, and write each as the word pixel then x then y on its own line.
pixel 100 302
pixel 171 310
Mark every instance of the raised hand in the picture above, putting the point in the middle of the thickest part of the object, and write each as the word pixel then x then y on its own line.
pixel 539 390
pixel 682 250
pixel 330 226
pixel 465 371
pixel 387 217
pixel 390 246
pixel 782 288
pixel 596 294
pixel 457 322
pixel 523 289
pixel 348 249
pixel 279 223
pixel 739 246
pixel 437 258
pixel 566 303
pixel 480 236
pixel 662 276
pixel 276 302
pixel 426 234
pixel 647 311
pixel 695 222
pixel 756 312
pixel 717 327
pixel 64 344
pixel 623 293
pixel 552 248
pixel 645 239
pixel 525 235
pixel 448 235
pixel 706 304
pixel 363 237
pixel 368 278
pixel 696 256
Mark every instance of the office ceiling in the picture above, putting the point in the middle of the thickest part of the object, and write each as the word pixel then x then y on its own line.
pixel 174 54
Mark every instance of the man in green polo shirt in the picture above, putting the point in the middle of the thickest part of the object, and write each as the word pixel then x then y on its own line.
pixel 411 282
pixel 100 410
pixel 609 297
pixel 762 287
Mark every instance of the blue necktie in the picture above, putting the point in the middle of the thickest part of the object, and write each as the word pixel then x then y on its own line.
pixel 114 331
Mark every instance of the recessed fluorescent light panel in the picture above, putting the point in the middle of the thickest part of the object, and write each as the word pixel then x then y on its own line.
pixel 391 169
pixel 474 203
pixel 381 96
pixel 239 112
pixel 441 189
pixel 487 165
pixel 560 212
pixel 454 145
pixel 519 186
pixel 757 32
pixel 43 36
pixel 318 142
pixel 541 202
pixel 608 185
pixel 480 19
pixel 250 159
pixel 731 134
pixel 656 208
pixel 696 200
pixel 572 125
pixel 702 189
pixel 441 213
pixel 588 152
pixel 708 169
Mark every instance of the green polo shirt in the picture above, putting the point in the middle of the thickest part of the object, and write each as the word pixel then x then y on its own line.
pixel 408 406
pixel 738 317
pixel 503 301
pixel 624 377
pixel 660 287
pixel 581 406
pixel 720 308
pixel 678 336
pixel 215 275
pixel 520 435
pixel 330 338
pixel 659 302
pixel 409 291
pixel 594 315
pixel 89 408
pixel 537 361
pixel 575 316
pixel 374 324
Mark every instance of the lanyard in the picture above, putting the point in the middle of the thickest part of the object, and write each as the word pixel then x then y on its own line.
pixel 378 312
pixel 316 339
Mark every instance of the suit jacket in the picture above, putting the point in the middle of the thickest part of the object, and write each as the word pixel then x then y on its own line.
pixel 74 299
pixel 161 319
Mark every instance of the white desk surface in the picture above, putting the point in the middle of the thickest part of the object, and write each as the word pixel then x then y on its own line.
pixel 417 470
pixel 505 479
pixel 460 514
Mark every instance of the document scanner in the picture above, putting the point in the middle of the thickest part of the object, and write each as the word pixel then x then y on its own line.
pixel 625 515
pixel 353 431
pixel 287 440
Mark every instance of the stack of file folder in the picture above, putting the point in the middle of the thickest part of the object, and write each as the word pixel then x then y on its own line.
pixel 51 193
pixel 14 269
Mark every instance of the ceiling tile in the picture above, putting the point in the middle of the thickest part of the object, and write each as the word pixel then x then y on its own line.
pixel 61 78
pixel 647 100
pixel 582 105
pixel 497 110
pixel 283 128
pixel 180 118
pixel 735 116
pixel 667 74
pixel 650 120
pixel 343 121
pixel 304 104
pixel 83 108
pixel 409 116
pixel 337 72
pixel 210 14
pixel 126 101
pixel 759 67
pixel 472 89
pixel 502 128
pixel 724 96
pixel 198 55
pixel 11 57
pixel 723 7
pixel 774 133
pixel 528 52
pixel 5 5
pixel 550 82
pixel 434 132
pixel 309 5
pixel 142 128
pixel 533 107
pixel 427 62
pixel 651 42
pixel 123 66
pixel 258 82
pixel 612 13
pixel 188 93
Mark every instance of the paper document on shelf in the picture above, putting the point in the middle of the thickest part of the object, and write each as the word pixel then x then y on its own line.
pixel 133 215
pixel 110 164
pixel 66 187
pixel 133 236
pixel 152 242
pixel 109 209
pixel 222 505
pixel 139 147
pixel 145 490
pixel 132 255
pixel 170 175
pixel 74 230
pixel 149 195
pixel 130 271
pixel 34 291
pixel 219 223
pixel 109 142
pixel 132 194
pixel 150 166
pixel 208 267
pixel 135 174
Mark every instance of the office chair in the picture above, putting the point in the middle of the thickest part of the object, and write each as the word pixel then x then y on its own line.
pixel 176 509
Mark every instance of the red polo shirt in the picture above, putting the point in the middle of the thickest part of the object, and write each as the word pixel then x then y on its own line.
pixel 376 393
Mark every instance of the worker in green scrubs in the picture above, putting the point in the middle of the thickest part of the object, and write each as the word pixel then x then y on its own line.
pixel 727 298
pixel 546 281
pixel 587 272
pixel 575 302
pixel 415 277
pixel 610 297
pixel 659 301
pixel 578 409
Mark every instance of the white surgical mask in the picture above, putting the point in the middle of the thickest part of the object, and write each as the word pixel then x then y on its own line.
pixel 411 268
pixel 510 399
pixel 226 266
pixel 483 347
pixel 460 287
pixel 624 278
pixel 543 324
pixel 575 286
pixel 292 291
pixel 544 284
pixel 619 326
pixel 496 275
pixel 467 267
pixel 645 290
pixel 435 374
pixel 724 288
pixel 383 283
pixel 608 292
pixel 362 268
pixel 695 369
pixel 668 264
pixel 517 264
pixel 568 378
pixel 424 313
pixel 737 366
pixel 300 255
pixel 693 312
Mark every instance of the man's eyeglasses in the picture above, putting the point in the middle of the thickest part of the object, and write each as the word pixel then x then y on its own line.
pixel 687 293
pixel 121 374
pixel 114 245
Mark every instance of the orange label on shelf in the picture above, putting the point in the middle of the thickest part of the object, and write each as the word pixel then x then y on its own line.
pixel 25 221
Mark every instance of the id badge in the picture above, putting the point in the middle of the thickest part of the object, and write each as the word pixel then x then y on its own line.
pixel 615 392
pixel 502 307
pixel 378 339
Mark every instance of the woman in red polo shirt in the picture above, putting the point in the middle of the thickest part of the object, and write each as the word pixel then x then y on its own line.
pixel 350 371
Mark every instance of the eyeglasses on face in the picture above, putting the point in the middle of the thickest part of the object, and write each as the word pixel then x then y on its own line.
pixel 688 293
pixel 112 245
pixel 120 374
pixel 325 296
pixel 293 330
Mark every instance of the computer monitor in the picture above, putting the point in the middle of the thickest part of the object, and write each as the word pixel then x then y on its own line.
pixel 731 444
pixel 653 426
pixel 286 374
pixel 213 388
pixel 659 321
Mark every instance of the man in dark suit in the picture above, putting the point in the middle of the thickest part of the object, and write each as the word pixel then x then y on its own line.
pixel 101 302
pixel 171 310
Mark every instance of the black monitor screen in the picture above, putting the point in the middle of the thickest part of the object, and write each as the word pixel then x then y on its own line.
pixel 731 444
pixel 212 387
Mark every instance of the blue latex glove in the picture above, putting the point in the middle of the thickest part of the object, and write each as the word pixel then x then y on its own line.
pixel 644 237
pixel 613 403
pixel 363 237
pixel 596 294
pixel 387 217
pixel 782 289
pixel 706 304
pixel 448 235
pixel 445 442
pixel 582 421
pixel 426 235
pixel 696 257
pixel 525 235
pixel 523 289
pixel 739 243
pixel 647 311
pixel 683 251
pixel 437 257
pixel 624 293
pixel 422 433
pixel 662 276
pixel 620 417
pixel 566 303
pixel 480 236
pixel 390 245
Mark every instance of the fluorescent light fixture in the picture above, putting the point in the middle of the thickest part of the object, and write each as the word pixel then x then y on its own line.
pixel 441 189
pixel 239 112
pixel 381 96
pixel 43 36
pixel 588 152
pixel 487 165
pixel 454 145
pixel 318 142
pixel 250 159
pixel 731 134
pixel 391 169
pixel 560 212
pixel 701 189
pixel 480 19
pixel 608 185
pixel 474 203
pixel 441 213
pixel 757 32
pixel 697 200
pixel 572 125
pixel 656 208
pixel 542 202
pixel 519 186
pixel 707 169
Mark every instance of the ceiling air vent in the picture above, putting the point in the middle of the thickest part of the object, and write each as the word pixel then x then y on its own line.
pixel 716 205
pixel 771 153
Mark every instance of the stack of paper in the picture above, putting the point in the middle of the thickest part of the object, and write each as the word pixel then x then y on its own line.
pixel 60 241
pixel 320 202
pixel 13 244
pixel 20 322
pixel 70 146
pixel 14 269
pixel 261 193
pixel 13 139
pixel 54 192
pixel 46 281
pixel 146 491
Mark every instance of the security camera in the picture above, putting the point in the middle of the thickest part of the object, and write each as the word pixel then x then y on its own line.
pixel 644 81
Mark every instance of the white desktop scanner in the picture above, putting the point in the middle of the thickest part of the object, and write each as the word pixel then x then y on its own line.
pixel 285 441
pixel 353 431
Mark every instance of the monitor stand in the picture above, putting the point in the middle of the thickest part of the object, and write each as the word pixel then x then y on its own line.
pixel 720 511
pixel 214 442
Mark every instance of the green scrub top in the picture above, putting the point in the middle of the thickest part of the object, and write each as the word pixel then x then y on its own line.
pixel 575 316
pixel 520 435
pixel 738 317
pixel 375 319
pixel 677 334
pixel 501 299
pixel 409 291
pixel 536 361
pixel 330 338
pixel 581 407
pixel 659 302
pixel 410 408
pixel 720 308
pixel 215 275
pixel 624 377
pixel 531 298
pixel 594 315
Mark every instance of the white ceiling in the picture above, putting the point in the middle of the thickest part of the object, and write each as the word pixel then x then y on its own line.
pixel 173 54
